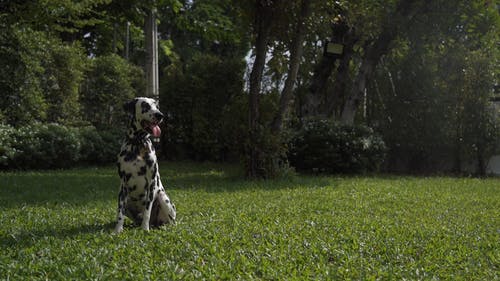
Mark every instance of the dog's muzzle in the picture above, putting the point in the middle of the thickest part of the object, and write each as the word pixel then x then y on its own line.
pixel 153 127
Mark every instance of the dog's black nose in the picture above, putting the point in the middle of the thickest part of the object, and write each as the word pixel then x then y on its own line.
pixel 159 116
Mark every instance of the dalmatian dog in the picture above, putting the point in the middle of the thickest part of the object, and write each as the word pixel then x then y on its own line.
pixel 142 197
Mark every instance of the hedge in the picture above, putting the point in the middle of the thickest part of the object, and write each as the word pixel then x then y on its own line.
pixel 44 146
pixel 331 147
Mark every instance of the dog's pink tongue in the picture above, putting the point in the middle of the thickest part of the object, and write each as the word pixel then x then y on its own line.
pixel 156 131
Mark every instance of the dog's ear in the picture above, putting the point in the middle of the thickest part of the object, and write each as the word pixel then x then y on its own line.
pixel 129 107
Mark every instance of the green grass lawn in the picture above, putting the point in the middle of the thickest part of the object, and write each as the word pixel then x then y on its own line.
pixel 57 225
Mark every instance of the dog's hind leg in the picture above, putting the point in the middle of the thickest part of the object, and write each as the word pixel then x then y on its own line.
pixel 167 212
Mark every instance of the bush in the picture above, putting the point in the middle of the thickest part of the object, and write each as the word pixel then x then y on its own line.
pixel 271 149
pixel 110 81
pixel 43 146
pixel 91 143
pixel 40 77
pixel 109 147
pixel 195 98
pixel 7 150
pixel 326 146
pixel 271 154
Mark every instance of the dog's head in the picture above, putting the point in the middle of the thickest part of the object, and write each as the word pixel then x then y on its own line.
pixel 145 115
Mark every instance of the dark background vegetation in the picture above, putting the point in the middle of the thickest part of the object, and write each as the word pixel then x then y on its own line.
pixel 248 81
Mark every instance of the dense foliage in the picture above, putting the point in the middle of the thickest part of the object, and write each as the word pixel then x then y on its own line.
pixel 42 146
pixel 326 146
pixel 432 99
pixel 235 75
pixel 40 77
pixel 196 99
pixel 110 82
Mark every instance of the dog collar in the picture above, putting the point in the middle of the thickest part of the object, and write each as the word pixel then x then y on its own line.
pixel 141 139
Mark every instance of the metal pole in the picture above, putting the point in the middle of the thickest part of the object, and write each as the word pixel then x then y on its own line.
pixel 127 39
pixel 151 67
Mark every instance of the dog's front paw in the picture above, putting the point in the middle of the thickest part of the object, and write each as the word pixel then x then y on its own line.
pixel 118 230
pixel 145 227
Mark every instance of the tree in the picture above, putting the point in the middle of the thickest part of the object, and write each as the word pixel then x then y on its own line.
pixel 196 100
pixel 110 82
pixel 344 33
pixel 296 51
pixel 41 77
pixel 262 28
pixel 430 95
pixel 43 67
pixel 202 51
pixel 395 22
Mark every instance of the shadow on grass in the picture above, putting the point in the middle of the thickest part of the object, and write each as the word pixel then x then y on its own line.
pixel 79 187
pixel 216 177
pixel 214 183
pixel 27 239
pixel 55 187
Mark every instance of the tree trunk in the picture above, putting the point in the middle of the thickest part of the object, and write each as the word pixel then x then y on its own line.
pixel 261 43
pixel 316 104
pixel 371 58
pixel 338 93
pixel 358 89
pixel 481 161
pixel 405 11
pixel 401 18
pixel 318 84
pixel 296 50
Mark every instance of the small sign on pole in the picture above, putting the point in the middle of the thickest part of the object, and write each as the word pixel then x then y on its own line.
pixel 334 49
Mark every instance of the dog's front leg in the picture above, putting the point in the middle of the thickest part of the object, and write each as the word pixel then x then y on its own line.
pixel 122 201
pixel 146 216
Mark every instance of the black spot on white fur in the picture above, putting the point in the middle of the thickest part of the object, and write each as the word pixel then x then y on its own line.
pixel 142 171
pixel 145 107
